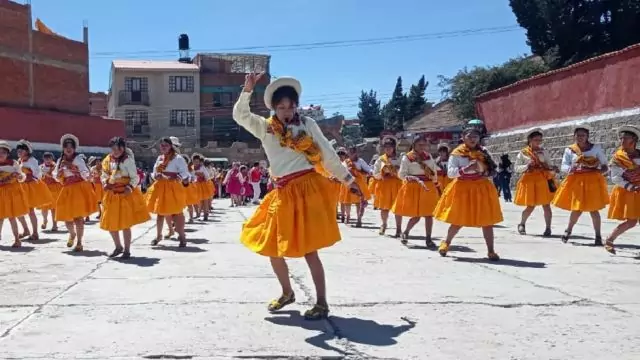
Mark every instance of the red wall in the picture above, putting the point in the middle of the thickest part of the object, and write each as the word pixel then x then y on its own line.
pixel 602 84
pixel 48 126
pixel 60 69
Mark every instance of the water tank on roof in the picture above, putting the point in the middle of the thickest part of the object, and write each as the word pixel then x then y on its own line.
pixel 183 48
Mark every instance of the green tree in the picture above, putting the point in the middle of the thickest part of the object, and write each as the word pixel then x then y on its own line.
pixel 369 114
pixel 395 110
pixel 564 32
pixel 416 101
pixel 463 88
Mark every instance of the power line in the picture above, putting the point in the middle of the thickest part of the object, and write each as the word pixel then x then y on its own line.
pixel 326 44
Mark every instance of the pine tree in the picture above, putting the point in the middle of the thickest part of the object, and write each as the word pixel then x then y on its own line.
pixel 396 109
pixel 369 114
pixel 416 102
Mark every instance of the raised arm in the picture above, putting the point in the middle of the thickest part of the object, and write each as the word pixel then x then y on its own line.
pixel 377 169
pixel 255 124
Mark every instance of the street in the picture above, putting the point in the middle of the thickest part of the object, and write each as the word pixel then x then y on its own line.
pixel 544 300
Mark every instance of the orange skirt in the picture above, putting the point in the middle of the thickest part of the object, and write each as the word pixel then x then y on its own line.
pixel 624 205
pixel 76 201
pixel 584 192
pixel 204 189
pixel 36 194
pixel 192 194
pixel 371 185
pixel 14 202
pixel 348 198
pixel 443 181
pixel 386 192
pixel 98 190
pixel 414 201
pixel 123 211
pixel 166 197
pixel 533 190
pixel 471 203
pixel 54 189
pixel 294 220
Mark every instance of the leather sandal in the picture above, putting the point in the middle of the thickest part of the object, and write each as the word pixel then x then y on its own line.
pixel 281 302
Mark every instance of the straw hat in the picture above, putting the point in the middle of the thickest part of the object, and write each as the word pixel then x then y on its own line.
pixel 583 127
pixel 533 131
pixel 5 145
pixel 69 137
pixel 630 129
pixel 277 84
pixel 25 143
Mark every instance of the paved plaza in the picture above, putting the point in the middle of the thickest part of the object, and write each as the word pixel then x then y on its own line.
pixel 544 300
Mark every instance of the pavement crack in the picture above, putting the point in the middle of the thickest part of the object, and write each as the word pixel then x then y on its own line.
pixel 39 308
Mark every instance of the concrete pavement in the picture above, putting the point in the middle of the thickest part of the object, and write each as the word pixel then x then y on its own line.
pixel 544 300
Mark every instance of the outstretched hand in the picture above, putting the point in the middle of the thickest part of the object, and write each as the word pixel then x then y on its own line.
pixel 251 80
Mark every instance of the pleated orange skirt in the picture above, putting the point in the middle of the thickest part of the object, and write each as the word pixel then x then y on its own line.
pixel 166 197
pixel 386 192
pixel 348 198
pixel 14 202
pixel 54 189
pixel 533 190
pixel 36 194
pixel 123 211
pixel 192 194
pixel 443 180
pixel 76 201
pixel 470 203
pixel 294 220
pixel 624 205
pixel 585 192
pixel 371 185
pixel 204 189
pixel 414 201
pixel 98 190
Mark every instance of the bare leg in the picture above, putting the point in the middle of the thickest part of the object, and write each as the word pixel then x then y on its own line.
pixel 53 219
pixel 525 214
pixel 25 227
pixel 487 232
pixel 34 224
pixel 573 219
pixel 428 226
pixel 280 268
pixel 71 227
pixel 179 222
pixel 14 229
pixel 412 222
pixel 547 217
pixel 79 231
pixel 317 274
pixel 45 218
pixel 126 234
pixel 597 224
pixel 451 233
pixel 398 225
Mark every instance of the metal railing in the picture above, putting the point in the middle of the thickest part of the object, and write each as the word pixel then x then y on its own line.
pixel 128 97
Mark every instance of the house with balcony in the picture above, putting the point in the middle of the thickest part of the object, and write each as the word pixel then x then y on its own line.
pixel 156 99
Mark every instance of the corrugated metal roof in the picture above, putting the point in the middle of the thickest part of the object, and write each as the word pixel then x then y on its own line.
pixel 152 65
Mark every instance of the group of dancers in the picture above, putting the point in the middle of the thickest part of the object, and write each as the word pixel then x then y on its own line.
pixel 310 180
pixel 71 190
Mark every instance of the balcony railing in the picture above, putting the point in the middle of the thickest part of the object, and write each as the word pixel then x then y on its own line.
pixel 127 97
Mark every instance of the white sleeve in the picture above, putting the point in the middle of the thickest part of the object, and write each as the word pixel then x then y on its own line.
pixel 377 169
pixel 183 168
pixel 330 159
pixel 522 162
pixel 35 168
pixel 601 156
pixel 453 166
pixel 129 165
pixel 255 124
pixel 567 161
pixel 82 166
pixel 404 168
pixel 364 166
pixel 616 175
pixel 154 174
pixel 104 176
pixel 434 169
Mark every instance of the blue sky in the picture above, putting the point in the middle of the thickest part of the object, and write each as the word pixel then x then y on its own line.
pixel 330 76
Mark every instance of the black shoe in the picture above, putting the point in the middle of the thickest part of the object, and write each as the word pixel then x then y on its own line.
pixel 126 255
pixel 598 241
pixel 116 252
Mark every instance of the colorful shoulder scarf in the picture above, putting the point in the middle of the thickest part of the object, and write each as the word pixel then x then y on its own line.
pixel 421 158
pixel 303 143
pixel 538 164
pixel 478 155
pixel 588 161
pixel 119 182
pixel 388 168
pixel 353 169
pixel 622 159
pixel 164 163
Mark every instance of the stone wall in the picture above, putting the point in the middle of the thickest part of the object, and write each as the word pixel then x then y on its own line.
pixel 557 137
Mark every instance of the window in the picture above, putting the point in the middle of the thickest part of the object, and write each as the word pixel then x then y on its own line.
pixel 136 84
pixel 224 99
pixel 182 118
pixel 217 99
pixel 180 83
pixel 135 120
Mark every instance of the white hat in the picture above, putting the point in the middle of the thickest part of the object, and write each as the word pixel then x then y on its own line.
pixel 5 145
pixel 533 131
pixel 629 129
pixel 175 143
pixel 71 137
pixel 389 137
pixel 341 149
pixel 443 145
pixel 277 84
pixel 26 144
pixel 583 127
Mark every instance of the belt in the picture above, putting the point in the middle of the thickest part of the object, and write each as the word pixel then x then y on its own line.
pixel 284 180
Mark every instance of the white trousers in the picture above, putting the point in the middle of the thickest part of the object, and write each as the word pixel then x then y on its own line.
pixel 256 191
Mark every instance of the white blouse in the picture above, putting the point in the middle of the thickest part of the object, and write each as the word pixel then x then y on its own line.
pixel 378 165
pixel 569 158
pixel 616 173
pixel 523 161
pixel 47 169
pixel 360 165
pixel 66 172
pixel 176 165
pixel 32 164
pixel 456 163
pixel 204 171
pixel 127 168
pixel 11 169
pixel 413 168
pixel 284 161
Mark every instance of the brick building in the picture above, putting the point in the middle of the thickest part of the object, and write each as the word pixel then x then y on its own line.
pixel 44 92
pixel 221 80
pixel 98 104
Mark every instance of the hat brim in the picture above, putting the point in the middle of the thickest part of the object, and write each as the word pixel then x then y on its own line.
pixel 25 143
pixel 629 129
pixel 5 145
pixel 533 131
pixel 583 127
pixel 277 84
pixel 71 137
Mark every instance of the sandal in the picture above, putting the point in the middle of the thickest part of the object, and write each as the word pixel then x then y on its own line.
pixel 598 241
pixel 156 241
pixel 281 302
pixel 17 244
pixel 404 238
pixel 54 229
pixel 169 235
pixel 358 224
pixel 317 312
pixel 443 249
pixel 78 248
pixel 547 232
pixel 43 226
pixel 183 242
pixel 126 255
pixel 383 229
pixel 493 256
pixel 71 240
pixel 608 246
pixel 565 237
pixel 521 229
pixel 398 234
pixel 430 244
pixel 117 251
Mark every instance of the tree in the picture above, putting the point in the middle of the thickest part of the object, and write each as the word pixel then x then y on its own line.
pixel 463 88
pixel 564 32
pixel 416 101
pixel 395 110
pixel 369 115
